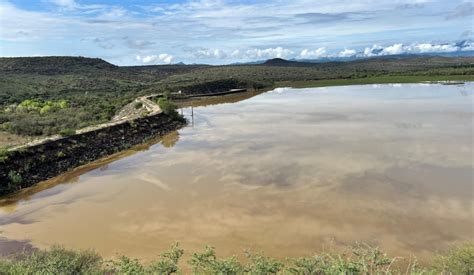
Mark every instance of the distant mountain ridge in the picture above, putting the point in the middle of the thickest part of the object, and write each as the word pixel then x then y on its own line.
pixel 354 58
pixel 56 65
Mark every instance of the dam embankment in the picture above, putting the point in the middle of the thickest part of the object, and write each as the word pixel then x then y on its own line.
pixel 33 163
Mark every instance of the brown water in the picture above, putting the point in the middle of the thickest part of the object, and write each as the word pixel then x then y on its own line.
pixel 289 172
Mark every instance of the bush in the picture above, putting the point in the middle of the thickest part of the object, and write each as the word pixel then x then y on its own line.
pixel 4 155
pixel 15 177
pixel 125 265
pixel 137 105
pixel 67 132
pixel 56 260
pixel 166 105
pixel 169 108
pixel 207 263
pixel 262 265
pixel 361 260
pixel 168 263
pixel 459 260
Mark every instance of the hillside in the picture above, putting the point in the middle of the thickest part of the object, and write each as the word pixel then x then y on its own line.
pixel 94 90
pixel 52 65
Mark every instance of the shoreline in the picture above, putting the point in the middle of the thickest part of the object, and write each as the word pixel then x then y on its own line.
pixel 22 164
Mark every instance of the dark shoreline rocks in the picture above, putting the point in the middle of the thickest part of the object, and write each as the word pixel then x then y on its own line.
pixel 30 165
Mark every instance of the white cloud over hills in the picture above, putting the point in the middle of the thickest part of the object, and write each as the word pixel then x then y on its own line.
pixel 163 58
pixel 418 48
pixel 317 53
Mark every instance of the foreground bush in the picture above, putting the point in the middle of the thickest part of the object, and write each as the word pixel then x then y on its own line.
pixel 57 260
pixel 361 260
pixel 456 261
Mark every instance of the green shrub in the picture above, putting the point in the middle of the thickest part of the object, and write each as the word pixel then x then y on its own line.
pixel 137 105
pixel 169 108
pixel 4 155
pixel 67 132
pixel 168 262
pixel 38 105
pixel 15 177
pixel 166 105
pixel 56 260
pixel 206 262
pixel 459 260
pixel 258 264
pixel 125 265
pixel 361 260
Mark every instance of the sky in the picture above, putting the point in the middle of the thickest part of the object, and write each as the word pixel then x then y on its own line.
pixel 145 32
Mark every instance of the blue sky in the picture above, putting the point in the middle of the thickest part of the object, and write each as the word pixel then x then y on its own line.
pixel 137 32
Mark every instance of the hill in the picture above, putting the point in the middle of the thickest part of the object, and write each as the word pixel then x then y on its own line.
pixel 283 62
pixel 52 65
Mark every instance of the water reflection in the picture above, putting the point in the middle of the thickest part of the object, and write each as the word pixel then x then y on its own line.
pixel 51 188
pixel 289 172
pixel 8 203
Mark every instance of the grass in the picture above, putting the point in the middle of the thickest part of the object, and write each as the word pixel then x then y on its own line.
pixel 362 259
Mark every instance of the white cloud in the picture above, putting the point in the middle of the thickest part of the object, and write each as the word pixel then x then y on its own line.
pixel 429 48
pixel 394 49
pixel 373 51
pixel 277 52
pixel 161 58
pixel 467 46
pixel 210 53
pixel 318 53
pixel 347 53
pixel 417 48
pixel 237 28
pixel 69 4
pixel 235 54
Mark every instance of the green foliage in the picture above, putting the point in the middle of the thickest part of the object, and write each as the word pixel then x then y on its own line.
pixel 168 262
pixel 370 260
pixel 168 107
pixel 459 260
pixel 67 132
pixel 309 265
pixel 361 260
pixel 262 265
pixel 137 105
pixel 125 265
pixel 206 262
pixel 56 260
pixel 15 177
pixel 38 106
pixel 4 155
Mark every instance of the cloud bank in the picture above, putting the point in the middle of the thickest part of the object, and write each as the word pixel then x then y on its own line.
pixel 163 58
pixel 226 31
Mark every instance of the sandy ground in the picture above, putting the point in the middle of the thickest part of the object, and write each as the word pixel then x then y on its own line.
pixel 7 139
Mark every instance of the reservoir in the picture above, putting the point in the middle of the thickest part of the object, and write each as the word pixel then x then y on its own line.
pixel 289 172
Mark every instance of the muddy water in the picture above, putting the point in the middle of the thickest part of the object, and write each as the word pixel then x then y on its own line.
pixel 289 172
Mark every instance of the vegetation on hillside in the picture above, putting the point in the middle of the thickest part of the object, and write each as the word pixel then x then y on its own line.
pixel 361 260
pixel 95 90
